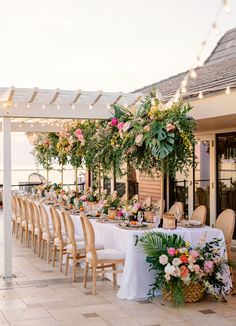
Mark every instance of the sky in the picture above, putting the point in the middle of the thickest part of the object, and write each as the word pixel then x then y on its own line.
pixel 109 45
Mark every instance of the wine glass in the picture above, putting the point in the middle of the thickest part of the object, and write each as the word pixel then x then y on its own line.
pixel 156 220
pixel 140 217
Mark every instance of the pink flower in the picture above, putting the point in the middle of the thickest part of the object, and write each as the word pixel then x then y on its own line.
pixel 120 125
pixel 114 122
pixel 80 138
pixel 126 126
pixel 137 206
pixel 120 214
pixel 208 266
pixel 78 132
pixel 139 140
pixel 83 198
pixel 197 268
pixel 170 127
pixel 194 253
pixel 171 251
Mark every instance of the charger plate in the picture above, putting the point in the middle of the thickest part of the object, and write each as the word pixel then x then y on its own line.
pixel 107 221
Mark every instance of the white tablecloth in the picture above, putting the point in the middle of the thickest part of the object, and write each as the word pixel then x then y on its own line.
pixel 136 278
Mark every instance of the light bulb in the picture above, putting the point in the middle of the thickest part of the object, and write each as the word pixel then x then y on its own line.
pixel 215 29
pixel 184 82
pixel 58 107
pixel 28 105
pixel 73 106
pixel 90 106
pixel 193 74
pixel 227 8
pixel 43 106
pixel 31 125
pixel 15 105
pixel 108 106
pixel 20 125
pixel 43 124
pixel 200 95
pixel 227 91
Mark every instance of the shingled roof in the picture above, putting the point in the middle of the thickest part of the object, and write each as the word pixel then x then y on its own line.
pixel 218 72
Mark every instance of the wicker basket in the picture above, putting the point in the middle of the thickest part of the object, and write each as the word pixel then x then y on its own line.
pixel 194 292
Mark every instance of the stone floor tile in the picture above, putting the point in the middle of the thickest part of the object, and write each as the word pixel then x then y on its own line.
pixel 110 315
pixel 35 322
pixel 26 314
pixel 97 308
pixel 125 322
pixel 12 304
pixel 66 313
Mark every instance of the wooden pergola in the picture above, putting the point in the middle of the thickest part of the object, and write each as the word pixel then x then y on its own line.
pixel 43 110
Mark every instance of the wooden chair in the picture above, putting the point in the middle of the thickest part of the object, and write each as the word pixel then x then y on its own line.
pixel 30 212
pixel 199 214
pixel 175 207
pixel 60 239
pixel 14 214
pixel 18 216
pixel 134 198
pixel 24 220
pixel 147 202
pixel 47 235
pixel 99 260
pixel 37 228
pixel 74 250
pixel 158 204
pixel 226 222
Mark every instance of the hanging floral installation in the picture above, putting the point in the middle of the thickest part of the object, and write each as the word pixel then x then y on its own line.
pixel 151 138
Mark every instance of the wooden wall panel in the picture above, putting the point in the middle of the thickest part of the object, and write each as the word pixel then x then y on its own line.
pixel 149 186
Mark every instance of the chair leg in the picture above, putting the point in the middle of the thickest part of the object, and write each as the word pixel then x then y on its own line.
pixel 42 245
pixel 60 258
pixel 39 246
pixel 103 273
pixel 17 230
pixel 86 274
pixel 114 275
pixel 94 269
pixel 21 234
pixel 48 251
pixel 34 242
pixel 54 250
pixel 67 264
pixel 74 268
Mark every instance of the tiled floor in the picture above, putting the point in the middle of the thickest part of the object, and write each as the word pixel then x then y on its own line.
pixel 40 295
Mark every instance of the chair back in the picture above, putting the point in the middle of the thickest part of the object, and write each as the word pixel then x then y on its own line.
pixel 65 225
pixel 226 223
pixel 134 198
pixel 13 205
pixel 70 227
pixel 44 219
pixel 36 217
pixel 147 202
pixel 57 222
pixel 24 212
pixel 89 236
pixel 199 214
pixel 30 212
pixel 177 206
pixel 18 208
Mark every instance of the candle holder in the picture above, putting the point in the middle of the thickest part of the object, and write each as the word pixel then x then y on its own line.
pixel 169 221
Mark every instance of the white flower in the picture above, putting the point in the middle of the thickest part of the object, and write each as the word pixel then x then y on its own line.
pixel 167 277
pixel 126 126
pixel 182 250
pixel 170 269
pixel 176 262
pixel 191 267
pixel 186 279
pixel 163 259
pixel 218 276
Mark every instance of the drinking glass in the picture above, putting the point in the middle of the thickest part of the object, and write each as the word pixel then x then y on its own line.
pixel 156 220
pixel 140 217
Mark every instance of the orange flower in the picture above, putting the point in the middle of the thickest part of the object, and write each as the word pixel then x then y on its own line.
pixel 184 259
pixel 183 271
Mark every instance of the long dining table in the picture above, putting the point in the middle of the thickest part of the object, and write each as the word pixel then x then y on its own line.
pixel 136 278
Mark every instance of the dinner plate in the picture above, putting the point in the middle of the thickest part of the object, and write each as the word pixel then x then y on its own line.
pixel 127 226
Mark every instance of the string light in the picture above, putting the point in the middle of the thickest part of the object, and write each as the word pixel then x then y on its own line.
pixel 108 106
pixel 20 125
pixel 15 105
pixel 58 107
pixel 90 106
pixel 31 125
pixel 193 74
pixel 227 91
pixel 43 124
pixel 43 106
pixel 215 29
pixel 73 106
pixel 200 95
pixel 28 105
pixel 227 8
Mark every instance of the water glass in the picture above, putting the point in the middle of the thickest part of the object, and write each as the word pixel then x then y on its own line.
pixel 156 220
pixel 140 217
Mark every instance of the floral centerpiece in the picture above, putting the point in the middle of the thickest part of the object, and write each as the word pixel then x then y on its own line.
pixel 184 273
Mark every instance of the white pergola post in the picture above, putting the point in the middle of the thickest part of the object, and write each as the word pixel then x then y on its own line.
pixel 7 214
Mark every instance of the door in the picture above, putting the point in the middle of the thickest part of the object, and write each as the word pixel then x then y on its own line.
pixel 204 176
pixel 226 172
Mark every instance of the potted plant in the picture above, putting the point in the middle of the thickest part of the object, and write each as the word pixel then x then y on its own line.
pixel 184 273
